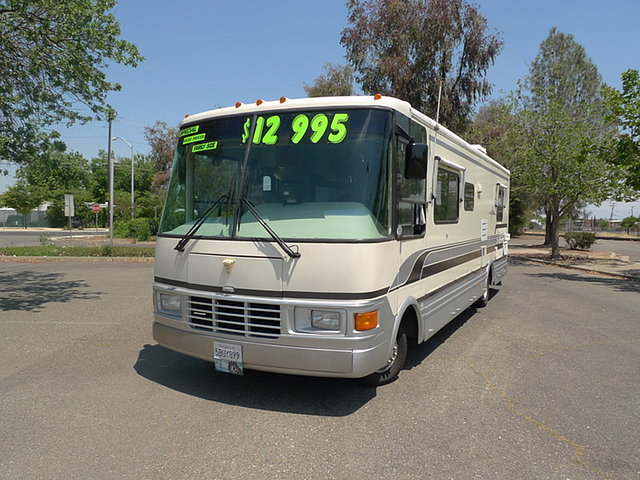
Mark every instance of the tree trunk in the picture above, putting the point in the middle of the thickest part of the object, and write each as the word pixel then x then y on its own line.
pixel 547 227
pixel 555 235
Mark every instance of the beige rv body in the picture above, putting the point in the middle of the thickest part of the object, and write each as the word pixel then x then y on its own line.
pixel 426 279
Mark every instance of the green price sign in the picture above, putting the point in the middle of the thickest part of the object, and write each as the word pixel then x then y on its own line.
pixel 193 138
pixel 201 147
pixel 315 127
pixel 189 130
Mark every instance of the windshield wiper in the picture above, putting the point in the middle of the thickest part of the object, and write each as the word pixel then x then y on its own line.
pixel 194 228
pixel 271 232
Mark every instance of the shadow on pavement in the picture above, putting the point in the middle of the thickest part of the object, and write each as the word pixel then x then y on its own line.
pixel 31 291
pixel 258 390
pixel 619 284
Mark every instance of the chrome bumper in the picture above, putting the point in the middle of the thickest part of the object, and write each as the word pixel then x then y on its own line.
pixel 270 357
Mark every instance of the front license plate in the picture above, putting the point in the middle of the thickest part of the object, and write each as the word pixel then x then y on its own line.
pixel 227 357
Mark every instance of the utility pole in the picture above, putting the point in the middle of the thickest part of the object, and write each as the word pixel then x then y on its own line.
pixel 110 163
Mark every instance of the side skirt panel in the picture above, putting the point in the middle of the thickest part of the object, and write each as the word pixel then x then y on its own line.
pixel 441 306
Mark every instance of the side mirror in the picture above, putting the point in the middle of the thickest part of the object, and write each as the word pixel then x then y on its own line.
pixel 415 164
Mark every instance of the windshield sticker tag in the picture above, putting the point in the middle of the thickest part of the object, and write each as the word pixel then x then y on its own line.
pixel 189 130
pixel 201 147
pixel 193 138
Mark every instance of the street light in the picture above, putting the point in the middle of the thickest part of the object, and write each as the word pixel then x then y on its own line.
pixel 132 171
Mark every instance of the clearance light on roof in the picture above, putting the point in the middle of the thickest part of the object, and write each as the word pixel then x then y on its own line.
pixel 259 102
pixel 377 96
pixel 283 99
pixel 238 104
pixel 187 115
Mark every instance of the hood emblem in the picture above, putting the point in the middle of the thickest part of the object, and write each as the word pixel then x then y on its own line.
pixel 228 264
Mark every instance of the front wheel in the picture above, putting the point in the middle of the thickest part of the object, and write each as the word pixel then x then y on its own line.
pixel 390 371
pixel 484 299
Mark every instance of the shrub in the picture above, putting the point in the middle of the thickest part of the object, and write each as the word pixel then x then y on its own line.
pixel 580 240
pixel 137 228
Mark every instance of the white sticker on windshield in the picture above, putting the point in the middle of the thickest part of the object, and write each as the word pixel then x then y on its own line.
pixel 266 183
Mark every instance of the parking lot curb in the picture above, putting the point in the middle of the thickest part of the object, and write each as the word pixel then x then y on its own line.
pixel 8 258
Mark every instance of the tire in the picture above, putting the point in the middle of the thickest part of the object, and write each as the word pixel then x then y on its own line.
pixel 389 372
pixel 484 299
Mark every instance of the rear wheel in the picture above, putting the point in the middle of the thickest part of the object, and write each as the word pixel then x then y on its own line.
pixel 390 371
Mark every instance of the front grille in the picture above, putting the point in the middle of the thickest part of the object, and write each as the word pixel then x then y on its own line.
pixel 234 318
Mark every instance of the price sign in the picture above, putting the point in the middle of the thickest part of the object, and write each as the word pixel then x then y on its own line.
pixel 331 127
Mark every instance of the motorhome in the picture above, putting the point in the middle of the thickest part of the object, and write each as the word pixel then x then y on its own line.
pixel 318 236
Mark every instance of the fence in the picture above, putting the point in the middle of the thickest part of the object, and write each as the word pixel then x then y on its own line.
pixel 10 218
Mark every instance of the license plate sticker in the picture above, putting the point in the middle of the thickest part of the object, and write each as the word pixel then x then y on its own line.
pixel 227 357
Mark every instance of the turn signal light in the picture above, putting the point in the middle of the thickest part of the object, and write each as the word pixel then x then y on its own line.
pixel 366 321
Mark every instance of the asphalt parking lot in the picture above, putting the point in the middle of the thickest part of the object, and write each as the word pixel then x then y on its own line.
pixel 542 383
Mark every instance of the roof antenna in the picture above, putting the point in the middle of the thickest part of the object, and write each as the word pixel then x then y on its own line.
pixel 439 97
pixel 436 161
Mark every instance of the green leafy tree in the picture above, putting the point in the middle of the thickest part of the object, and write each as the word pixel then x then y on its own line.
pixel 494 128
pixel 625 107
pixel 52 57
pixel 563 160
pixel 144 173
pixel 418 50
pixel 630 223
pixel 22 198
pixel 338 81
pixel 56 171
pixel 99 184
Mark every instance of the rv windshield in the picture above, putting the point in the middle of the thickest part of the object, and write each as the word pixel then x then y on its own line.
pixel 317 174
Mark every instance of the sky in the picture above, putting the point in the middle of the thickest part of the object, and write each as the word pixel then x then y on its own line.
pixel 211 53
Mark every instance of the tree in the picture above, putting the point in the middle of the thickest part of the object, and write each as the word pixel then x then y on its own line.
pixel 144 172
pixel 563 159
pixel 338 81
pixel 625 108
pixel 494 128
pixel 56 171
pixel 630 223
pixel 163 140
pixel 420 50
pixel 22 198
pixel 52 57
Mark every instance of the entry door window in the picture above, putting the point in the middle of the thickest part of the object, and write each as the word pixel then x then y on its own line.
pixel 447 208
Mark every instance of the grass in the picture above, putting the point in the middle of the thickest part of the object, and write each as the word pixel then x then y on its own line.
pixel 56 251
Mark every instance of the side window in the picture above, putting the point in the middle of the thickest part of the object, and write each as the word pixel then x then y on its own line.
pixel 500 196
pixel 469 194
pixel 447 202
pixel 411 193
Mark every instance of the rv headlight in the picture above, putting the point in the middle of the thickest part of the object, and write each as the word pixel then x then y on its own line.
pixel 325 320
pixel 308 320
pixel 169 303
